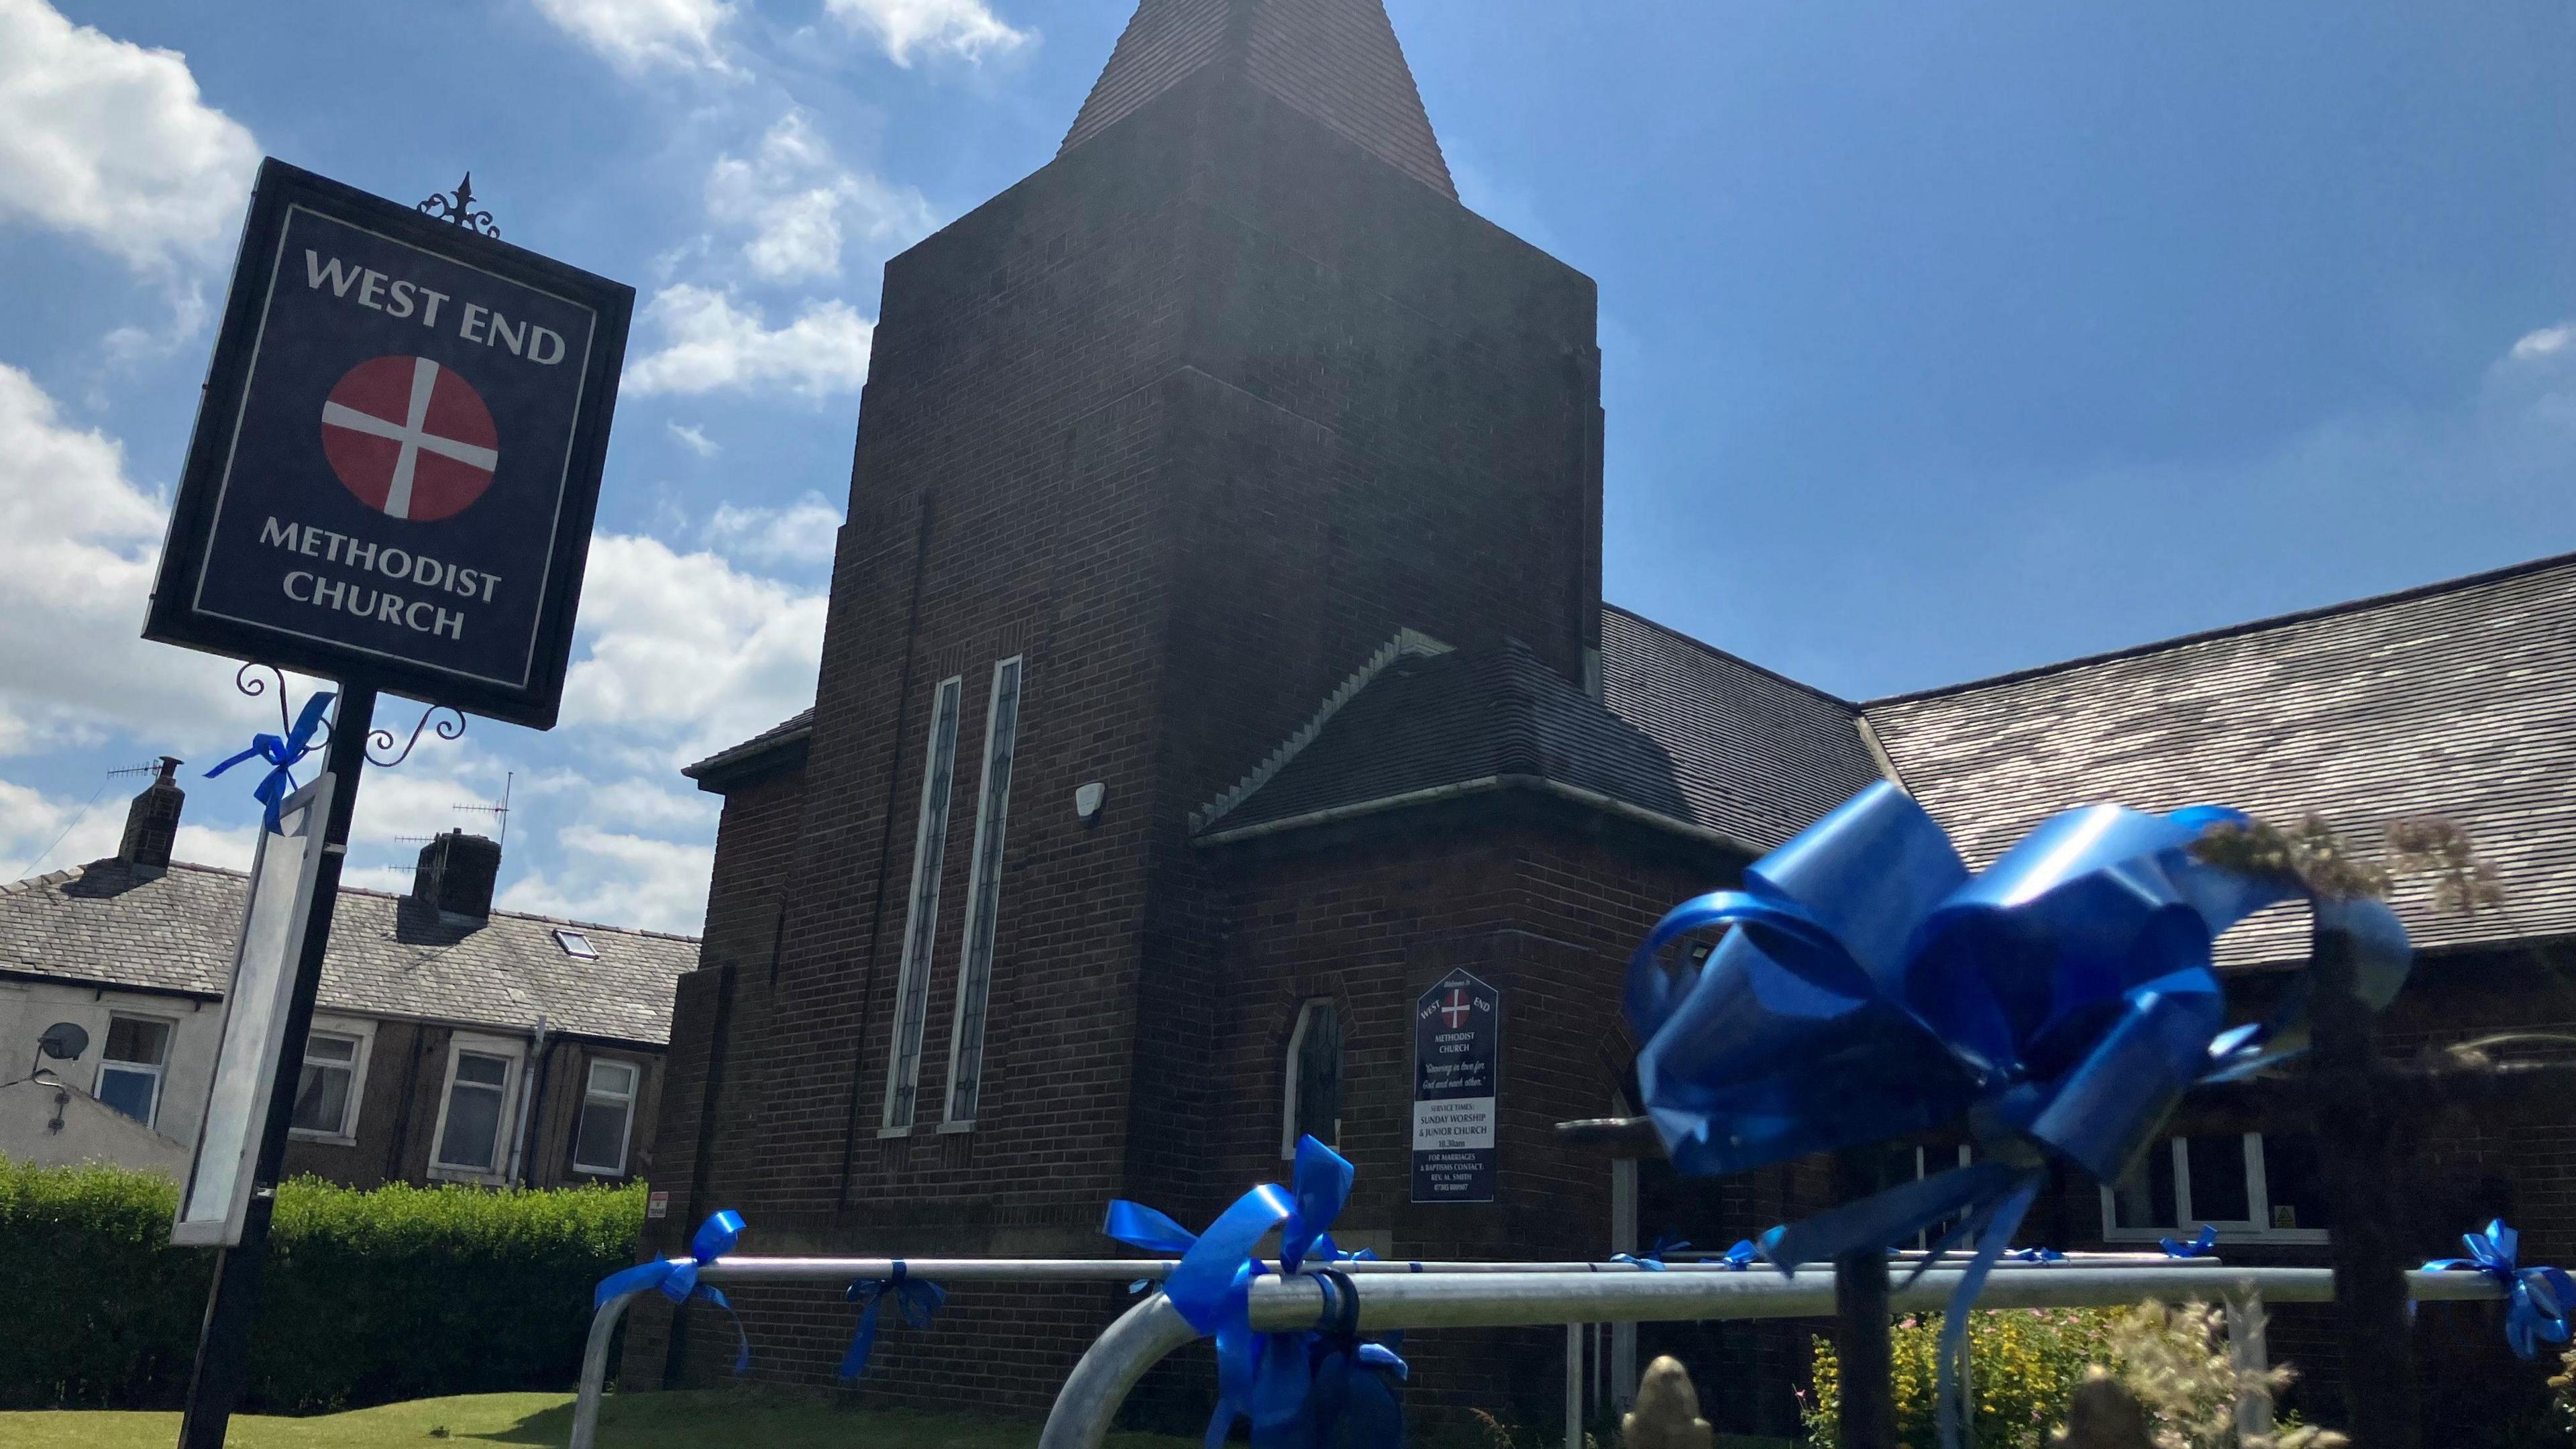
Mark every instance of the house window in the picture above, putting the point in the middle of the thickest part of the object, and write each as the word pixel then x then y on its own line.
pixel 921 922
pixel 576 945
pixel 474 1117
pixel 1314 1078
pixel 2245 1184
pixel 1900 1165
pixel 131 1066
pixel 983 898
pixel 607 1112
pixel 326 1095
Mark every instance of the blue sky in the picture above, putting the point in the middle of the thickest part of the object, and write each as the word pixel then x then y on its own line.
pixel 1939 341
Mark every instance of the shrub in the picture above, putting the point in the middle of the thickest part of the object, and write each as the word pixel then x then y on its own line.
pixel 366 1298
pixel 2026 1363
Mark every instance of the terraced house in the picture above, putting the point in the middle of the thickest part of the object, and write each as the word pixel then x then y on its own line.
pixel 451 1042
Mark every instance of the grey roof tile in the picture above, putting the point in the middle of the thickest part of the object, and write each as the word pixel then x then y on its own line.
pixel 1337 61
pixel 175 931
pixel 2456 700
pixel 1759 757
pixel 1451 718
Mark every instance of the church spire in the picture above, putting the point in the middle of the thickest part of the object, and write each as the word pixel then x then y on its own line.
pixel 1336 61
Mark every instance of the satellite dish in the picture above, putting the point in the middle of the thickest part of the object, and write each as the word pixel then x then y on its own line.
pixel 63 1041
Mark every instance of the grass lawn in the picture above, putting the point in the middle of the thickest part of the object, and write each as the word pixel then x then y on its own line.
pixel 630 1421
pixel 692 1420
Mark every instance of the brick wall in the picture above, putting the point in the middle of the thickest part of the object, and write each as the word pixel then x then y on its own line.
pixel 1152 422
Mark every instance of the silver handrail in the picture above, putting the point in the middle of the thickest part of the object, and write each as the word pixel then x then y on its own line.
pixel 746 1268
pixel 1145 1334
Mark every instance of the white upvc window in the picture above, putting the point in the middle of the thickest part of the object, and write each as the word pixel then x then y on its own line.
pixel 1913 1164
pixel 983 901
pixel 475 1109
pixel 132 1064
pixel 334 1081
pixel 921 918
pixel 607 1119
pixel 1311 1103
pixel 2245 1184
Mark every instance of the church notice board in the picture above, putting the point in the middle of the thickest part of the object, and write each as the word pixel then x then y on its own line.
pixel 397 455
pixel 1457 1054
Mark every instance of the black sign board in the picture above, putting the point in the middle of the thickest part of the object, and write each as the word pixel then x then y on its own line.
pixel 1457 1055
pixel 397 455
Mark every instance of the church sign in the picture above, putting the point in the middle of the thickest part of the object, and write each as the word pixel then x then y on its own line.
pixel 1457 1053
pixel 397 455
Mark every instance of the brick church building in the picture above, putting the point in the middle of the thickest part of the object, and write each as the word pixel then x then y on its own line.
pixel 1217 660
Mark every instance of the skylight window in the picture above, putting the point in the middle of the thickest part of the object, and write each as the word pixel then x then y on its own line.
pixel 576 945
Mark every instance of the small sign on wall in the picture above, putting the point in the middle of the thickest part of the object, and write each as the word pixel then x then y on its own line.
pixel 1457 1058
pixel 657 1206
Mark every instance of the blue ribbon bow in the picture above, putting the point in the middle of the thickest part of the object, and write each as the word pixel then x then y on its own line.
pixel 677 1277
pixel 2060 1002
pixel 281 754
pixel 1295 1387
pixel 2540 1297
pixel 2199 1247
pixel 918 1300
pixel 1652 1260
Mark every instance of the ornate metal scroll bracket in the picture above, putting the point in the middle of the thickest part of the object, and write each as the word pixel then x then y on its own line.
pixel 458 207
pixel 449 728
pixel 247 681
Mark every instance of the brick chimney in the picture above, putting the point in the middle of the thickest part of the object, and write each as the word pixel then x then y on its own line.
pixel 456 872
pixel 152 821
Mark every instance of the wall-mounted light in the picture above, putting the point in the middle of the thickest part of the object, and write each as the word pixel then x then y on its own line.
pixel 1086 800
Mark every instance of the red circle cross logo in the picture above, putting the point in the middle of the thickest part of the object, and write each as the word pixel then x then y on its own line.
pixel 410 438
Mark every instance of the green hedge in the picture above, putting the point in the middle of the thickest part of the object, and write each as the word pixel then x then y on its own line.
pixel 368 1297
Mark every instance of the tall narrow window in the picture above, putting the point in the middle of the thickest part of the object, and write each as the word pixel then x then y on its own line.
pixel 607 1110
pixel 983 898
pixel 326 1093
pixel 473 1122
pixel 129 1070
pixel 921 922
pixel 1314 1075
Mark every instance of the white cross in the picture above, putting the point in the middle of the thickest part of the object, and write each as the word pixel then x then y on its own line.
pixel 424 377
pixel 1456 1010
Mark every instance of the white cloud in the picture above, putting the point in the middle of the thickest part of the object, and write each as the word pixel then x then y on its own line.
pixel 108 141
pixel 800 204
pixel 40 833
pixel 695 439
pixel 710 343
pixel 78 545
pixel 686 649
pixel 2545 342
pixel 966 29
pixel 625 880
pixel 804 532
pixel 641 35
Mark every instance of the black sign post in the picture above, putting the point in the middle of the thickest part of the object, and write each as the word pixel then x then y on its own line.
pixel 391 484
pixel 1457 1057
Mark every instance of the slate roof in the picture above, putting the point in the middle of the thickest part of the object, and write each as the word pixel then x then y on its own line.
pixel 1455 718
pixel 1684 732
pixel 727 767
pixel 113 924
pixel 2456 700
pixel 1337 61
pixel 1756 755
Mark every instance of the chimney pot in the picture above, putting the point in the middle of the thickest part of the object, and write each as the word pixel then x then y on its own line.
pixel 152 821
pixel 456 874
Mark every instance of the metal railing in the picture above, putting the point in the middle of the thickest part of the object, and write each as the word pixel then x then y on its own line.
pixel 1400 1294
pixel 1148 1332
pixel 743 1268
